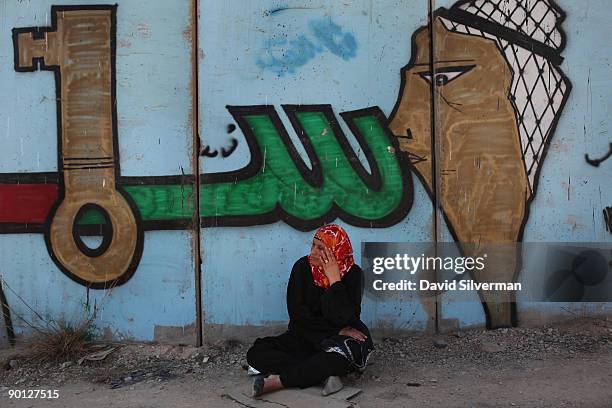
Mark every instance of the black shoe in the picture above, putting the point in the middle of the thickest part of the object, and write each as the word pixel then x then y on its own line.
pixel 331 385
pixel 258 385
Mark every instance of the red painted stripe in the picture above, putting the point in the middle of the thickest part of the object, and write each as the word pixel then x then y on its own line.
pixel 26 203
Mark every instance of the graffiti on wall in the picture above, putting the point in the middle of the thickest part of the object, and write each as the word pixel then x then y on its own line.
pixel 497 93
pixel 607 212
pixel 283 56
pixel 79 48
pixel 597 162
pixel 88 195
pixel 278 185
pixel 225 151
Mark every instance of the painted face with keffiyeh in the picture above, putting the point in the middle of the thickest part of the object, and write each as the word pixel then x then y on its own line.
pixel 495 88
pixel 336 240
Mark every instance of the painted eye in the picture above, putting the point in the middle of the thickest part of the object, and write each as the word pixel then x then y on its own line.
pixel 446 74
pixel 441 78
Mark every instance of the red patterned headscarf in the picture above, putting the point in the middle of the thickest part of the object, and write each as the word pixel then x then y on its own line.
pixel 337 241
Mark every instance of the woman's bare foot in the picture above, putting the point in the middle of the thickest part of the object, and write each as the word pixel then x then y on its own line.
pixel 263 386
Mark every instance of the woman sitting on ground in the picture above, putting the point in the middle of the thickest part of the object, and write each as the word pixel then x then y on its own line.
pixel 325 338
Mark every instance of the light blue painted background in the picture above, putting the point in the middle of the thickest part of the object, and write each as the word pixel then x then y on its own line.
pixel 245 269
pixel 583 128
pixel 230 76
pixel 153 105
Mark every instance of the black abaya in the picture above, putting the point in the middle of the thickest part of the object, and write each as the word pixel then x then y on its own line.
pixel 302 356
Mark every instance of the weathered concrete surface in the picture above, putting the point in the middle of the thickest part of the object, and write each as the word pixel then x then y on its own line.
pixel 175 334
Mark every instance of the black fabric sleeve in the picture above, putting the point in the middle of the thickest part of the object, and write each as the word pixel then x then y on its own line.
pixel 301 317
pixel 341 302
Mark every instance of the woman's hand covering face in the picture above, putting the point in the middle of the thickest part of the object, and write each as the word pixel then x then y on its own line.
pixel 330 266
pixel 331 255
pixel 324 258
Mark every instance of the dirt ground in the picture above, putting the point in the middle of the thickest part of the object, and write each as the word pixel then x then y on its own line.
pixel 567 365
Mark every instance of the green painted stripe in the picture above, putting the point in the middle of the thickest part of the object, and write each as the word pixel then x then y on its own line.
pixel 279 181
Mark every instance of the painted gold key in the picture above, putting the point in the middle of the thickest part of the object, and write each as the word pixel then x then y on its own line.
pixel 80 49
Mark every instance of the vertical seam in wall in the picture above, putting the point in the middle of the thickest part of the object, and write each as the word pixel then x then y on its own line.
pixel 434 166
pixel 6 312
pixel 195 125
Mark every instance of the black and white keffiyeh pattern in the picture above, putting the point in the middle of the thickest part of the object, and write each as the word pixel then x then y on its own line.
pixel 529 34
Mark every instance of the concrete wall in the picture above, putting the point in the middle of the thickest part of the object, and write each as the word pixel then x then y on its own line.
pixel 153 138
pixel 270 78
